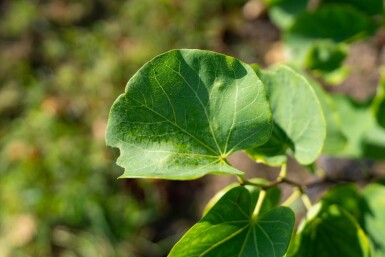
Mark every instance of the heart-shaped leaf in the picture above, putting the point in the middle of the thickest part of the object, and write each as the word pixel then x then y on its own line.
pixel 184 112
pixel 231 229
pixel 299 124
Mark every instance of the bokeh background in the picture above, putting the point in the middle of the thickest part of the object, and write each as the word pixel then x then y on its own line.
pixel 62 64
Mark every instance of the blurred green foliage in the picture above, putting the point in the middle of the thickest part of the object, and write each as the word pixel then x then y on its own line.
pixel 62 64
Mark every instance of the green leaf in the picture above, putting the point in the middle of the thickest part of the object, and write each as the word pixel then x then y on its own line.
pixel 184 112
pixel 283 13
pixel 231 229
pixel 346 196
pixel 273 195
pixel 374 222
pixel 335 139
pixel 299 125
pixel 365 137
pixel 370 7
pixel 325 55
pixel 329 231
pixel 332 22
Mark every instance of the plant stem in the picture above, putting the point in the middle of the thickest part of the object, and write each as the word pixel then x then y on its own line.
pixel 257 209
pixel 294 196
pixel 283 172
pixel 306 201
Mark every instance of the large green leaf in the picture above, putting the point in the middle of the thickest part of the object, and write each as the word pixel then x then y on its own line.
pixel 374 217
pixel 329 231
pixel 299 125
pixel 184 112
pixel 231 229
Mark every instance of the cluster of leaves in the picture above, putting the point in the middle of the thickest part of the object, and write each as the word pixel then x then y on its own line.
pixel 186 111
pixel 317 33
pixel 63 61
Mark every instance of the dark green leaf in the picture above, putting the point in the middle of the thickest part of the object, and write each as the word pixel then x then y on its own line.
pixel 299 124
pixel 332 22
pixel 231 229
pixel 329 231
pixel 346 196
pixel 325 56
pixel 184 112
pixel 371 7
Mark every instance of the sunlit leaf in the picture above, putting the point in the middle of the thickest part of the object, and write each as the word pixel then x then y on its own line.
pixel 231 229
pixel 184 112
pixel 335 139
pixel 299 125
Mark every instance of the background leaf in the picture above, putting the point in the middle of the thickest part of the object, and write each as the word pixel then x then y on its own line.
pixel 373 219
pixel 299 124
pixel 184 112
pixel 329 231
pixel 370 7
pixel 229 229
pixel 283 12
pixel 365 137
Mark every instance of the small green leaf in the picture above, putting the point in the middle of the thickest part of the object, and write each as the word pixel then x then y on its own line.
pixel 325 56
pixel 299 125
pixel 184 112
pixel 329 231
pixel 374 218
pixel 231 229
